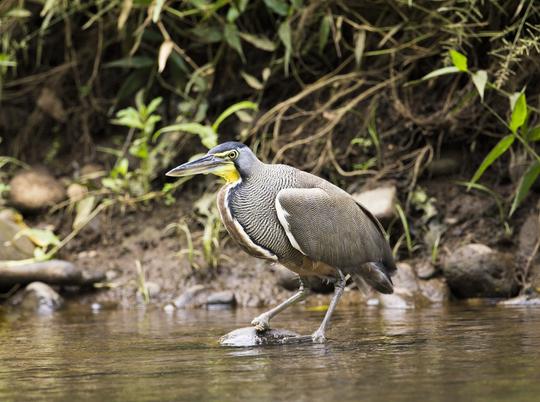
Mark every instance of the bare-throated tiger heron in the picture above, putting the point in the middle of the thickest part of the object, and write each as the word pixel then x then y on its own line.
pixel 305 223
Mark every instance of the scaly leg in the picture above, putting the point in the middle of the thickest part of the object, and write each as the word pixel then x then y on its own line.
pixel 318 336
pixel 262 322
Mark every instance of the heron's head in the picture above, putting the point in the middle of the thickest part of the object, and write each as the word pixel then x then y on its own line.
pixel 230 160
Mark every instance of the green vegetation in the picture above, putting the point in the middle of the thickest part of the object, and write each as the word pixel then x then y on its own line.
pixel 376 89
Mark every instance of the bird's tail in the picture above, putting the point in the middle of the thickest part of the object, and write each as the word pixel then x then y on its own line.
pixel 377 275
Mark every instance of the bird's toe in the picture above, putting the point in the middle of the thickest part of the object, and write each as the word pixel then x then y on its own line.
pixel 261 323
pixel 318 337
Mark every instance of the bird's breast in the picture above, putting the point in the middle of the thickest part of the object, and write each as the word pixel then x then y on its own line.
pixel 235 228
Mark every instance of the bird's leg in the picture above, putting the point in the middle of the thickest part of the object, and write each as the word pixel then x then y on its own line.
pixel 262 322
pixel 318 336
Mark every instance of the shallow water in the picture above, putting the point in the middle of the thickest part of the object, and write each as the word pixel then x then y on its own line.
pixel 459 353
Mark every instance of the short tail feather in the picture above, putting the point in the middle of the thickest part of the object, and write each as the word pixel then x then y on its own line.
pixel 377 275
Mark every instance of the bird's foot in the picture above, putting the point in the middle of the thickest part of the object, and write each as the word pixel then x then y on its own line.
pixel 261 323
pixel 318 337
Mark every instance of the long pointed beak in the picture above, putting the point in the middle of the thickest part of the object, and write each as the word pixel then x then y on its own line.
pixel 203 165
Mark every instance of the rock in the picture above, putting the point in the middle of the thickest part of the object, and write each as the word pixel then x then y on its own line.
pixel 195 296
pixel 55 272
pixel 528 235
pixel 11 246
pixel 246 337
pixel 425 270
pixel 435 290
pixel 380 202
pixel 523 300
pixel 34 190
pixel 405 278
pixel 400 299
pixel 38 297
pixel 76 192
pixel 224 297
pixel 475 270
pixel 168 308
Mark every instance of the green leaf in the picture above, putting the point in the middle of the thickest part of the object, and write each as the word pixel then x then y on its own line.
pixel 6 61
pixel 231 110
pixel 519 113
pixel 441 71
pixel 459 60
pixel 499 149
pixel 534 134
pixel 284 33
pixel 479 79
pixel 324 32
pixel 260 42
pixel 525 185
pixel 131 62
pixel 278 6
pixel 207 135
pixel 121 168
pixel 233 39
pixel 406 228
pixel 154 104
pixel 40 237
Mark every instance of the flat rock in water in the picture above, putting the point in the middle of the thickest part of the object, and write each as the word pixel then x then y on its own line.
pixel 249 336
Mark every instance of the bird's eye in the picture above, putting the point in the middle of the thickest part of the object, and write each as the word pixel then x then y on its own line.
pixel 232 154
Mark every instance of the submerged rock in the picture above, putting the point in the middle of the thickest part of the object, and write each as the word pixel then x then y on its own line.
pixel 381 201
pixel 38 297
pixel 475 270
pixel 33 190
pixel 246 337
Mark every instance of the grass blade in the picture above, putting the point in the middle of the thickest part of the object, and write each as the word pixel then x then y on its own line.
pixel 499 149
pixel 525 185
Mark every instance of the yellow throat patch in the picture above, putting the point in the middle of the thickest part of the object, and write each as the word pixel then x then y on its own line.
pixel 227 172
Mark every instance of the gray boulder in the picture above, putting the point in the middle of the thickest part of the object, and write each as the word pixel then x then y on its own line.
pixel 475 270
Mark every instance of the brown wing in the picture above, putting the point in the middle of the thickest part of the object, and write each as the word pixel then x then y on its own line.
pixel 331 227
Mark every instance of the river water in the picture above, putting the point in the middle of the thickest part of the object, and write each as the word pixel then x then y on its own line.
pixel 460 353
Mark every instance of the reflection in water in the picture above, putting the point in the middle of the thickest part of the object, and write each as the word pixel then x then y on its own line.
pixel 460 353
